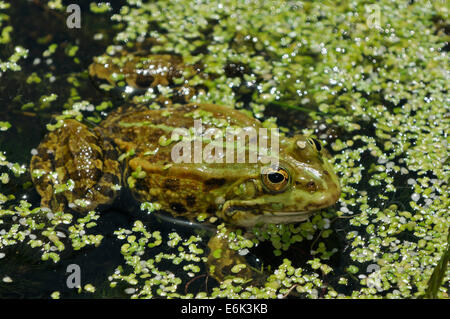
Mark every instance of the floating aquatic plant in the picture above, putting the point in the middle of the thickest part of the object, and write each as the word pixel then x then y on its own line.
pixel 371 80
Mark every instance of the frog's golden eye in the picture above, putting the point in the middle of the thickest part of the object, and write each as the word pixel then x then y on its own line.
pixel 315 143
pixel 275 179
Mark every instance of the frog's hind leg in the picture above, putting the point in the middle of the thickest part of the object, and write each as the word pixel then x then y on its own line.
pixel 76 167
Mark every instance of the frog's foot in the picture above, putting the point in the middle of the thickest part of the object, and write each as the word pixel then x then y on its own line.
pixel 223 261
pixel 75 167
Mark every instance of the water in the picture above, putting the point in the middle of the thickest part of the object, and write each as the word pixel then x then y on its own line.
pixel 35 28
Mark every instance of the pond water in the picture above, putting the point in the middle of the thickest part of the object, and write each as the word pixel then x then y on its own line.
pixel 374 94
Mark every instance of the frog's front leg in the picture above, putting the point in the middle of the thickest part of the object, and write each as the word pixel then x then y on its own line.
pixel 75 167
pixel 224 261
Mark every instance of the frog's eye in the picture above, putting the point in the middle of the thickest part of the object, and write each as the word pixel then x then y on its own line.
pixel 315 143
pixel 275 179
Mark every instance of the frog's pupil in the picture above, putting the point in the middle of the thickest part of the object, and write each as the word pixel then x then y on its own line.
pixel 318 146
pixel 275 177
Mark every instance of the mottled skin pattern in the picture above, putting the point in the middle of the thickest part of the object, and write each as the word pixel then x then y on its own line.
pixel 184 189
pixel 73 152
pixel 143 72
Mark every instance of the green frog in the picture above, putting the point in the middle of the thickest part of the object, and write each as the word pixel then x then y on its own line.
pixel 85 168
pixel 132 148
pixel 137 148
pixel 139 72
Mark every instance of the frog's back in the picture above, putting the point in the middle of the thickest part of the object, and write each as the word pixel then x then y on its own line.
pixel 144 138
pixel 146 131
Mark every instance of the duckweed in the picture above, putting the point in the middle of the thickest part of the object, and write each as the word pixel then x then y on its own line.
pixel 381 88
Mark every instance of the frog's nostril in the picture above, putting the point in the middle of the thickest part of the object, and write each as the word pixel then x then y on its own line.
pixel 144 80
pixel 311 186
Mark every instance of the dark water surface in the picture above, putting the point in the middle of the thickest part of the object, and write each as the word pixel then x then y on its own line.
pixel 35 28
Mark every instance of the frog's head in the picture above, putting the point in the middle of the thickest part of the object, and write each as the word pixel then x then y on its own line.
pixel 303 181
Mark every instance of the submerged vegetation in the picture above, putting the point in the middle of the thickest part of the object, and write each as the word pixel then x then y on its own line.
pixel 369 80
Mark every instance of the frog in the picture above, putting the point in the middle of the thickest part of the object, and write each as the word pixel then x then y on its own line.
pixel 139 71
pixel 84 168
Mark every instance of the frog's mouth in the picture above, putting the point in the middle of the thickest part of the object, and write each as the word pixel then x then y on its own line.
pixel 268 217
pixel 275 210
pixel 246 217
